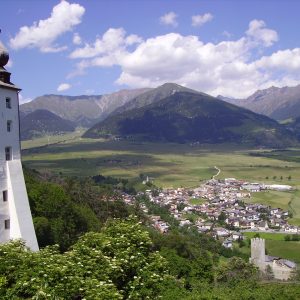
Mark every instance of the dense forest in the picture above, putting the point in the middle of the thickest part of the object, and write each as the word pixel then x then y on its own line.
pixel 94 246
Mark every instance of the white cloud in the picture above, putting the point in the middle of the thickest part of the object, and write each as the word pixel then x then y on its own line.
pixel 76 39
pixel 228 68
pixel 288 60
pixel 114 39
pixel 89 91
pixel 44 33
pixel 169 19
pixel 23 100
pixel 259 33
pixel 63 87
pixel 227 34
pixel 200 20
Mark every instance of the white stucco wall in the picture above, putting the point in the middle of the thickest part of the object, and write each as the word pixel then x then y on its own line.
pixel 7 139
pixel 280 272
pixel 21 225
pixel 16 209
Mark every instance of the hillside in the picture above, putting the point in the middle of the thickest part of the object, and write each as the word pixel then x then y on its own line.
pixel 189 117
pixel 153 96
pixel 294 126
pixel 83 110
pixel 276 103
pixel 41 122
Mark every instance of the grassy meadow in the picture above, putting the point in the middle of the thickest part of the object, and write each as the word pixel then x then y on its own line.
pixel 51 139
pixel 171 165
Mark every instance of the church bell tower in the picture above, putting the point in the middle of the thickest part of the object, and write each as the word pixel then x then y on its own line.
pixel 15 215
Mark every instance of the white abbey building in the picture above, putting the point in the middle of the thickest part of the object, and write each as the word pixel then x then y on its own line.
pixel 282 269
pixel 15 216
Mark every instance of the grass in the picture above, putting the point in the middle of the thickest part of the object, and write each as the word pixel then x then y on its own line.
pixel 289 250
pixel 192 217
pixel 272 198
pixel 266 235
pixel 197 201
pixel 276 245
pixel 172 165
pixel 51 139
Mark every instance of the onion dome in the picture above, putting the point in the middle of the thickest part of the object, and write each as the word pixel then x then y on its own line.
pixel 4 56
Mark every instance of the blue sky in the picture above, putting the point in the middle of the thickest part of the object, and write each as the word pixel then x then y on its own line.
pixel 95 47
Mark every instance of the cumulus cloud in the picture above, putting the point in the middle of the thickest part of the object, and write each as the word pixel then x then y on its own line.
pixel 259 33
pixel 113 39
pixel 63 87
pixel 227 34
pixel 200 20
pixel 76 39
pixel 44 33
pixel 288 60
pixel 228 67
pixel 89 91
pixel 169 19
pixel 106 51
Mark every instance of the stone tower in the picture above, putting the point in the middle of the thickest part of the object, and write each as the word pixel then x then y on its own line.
pixel 15 216
pixel 258 253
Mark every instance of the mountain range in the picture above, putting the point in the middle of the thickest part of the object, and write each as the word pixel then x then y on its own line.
pixel 189 116
pixel 152 96
pixel 276 103
pixel 171 113
pixel 41 122
pixel 83 110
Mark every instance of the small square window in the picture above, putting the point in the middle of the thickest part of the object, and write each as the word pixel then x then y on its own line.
pixel 8 102
pixel 7 224
pixel 8 153
pixel 9 126
pixel 4 196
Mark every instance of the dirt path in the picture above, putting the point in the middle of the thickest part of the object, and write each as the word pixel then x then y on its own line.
pixel 219 171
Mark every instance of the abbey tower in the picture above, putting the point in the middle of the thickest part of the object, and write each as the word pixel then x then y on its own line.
pixel 15 216
pixel 282 269
pixel 258 256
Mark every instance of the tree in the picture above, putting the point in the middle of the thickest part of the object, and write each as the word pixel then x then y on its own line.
pixel 116 263
pixel 269 274
pixel 236 270
pixel 221 218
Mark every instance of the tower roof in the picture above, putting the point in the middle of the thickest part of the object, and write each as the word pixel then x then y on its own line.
pixel 4 74
pixel 4 56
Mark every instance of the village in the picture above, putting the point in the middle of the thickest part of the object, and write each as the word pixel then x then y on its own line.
pixel 219 207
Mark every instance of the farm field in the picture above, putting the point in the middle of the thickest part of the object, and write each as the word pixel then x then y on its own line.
pixel 276 245
pixel 272 198
pixel 51 139
pixel 171 165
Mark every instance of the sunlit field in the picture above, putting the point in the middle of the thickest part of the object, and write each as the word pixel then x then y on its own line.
pixel 171 165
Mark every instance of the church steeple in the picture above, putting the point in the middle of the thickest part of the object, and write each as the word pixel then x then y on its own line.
pixel 15 215
pixel 4 58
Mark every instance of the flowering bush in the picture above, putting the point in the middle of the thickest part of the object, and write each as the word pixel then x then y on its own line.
pixel 117 263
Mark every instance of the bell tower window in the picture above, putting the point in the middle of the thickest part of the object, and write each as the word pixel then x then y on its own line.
pixel 8 102
pixel 7 224
pixel 8 153
pixel 4 196
pixel 9 125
